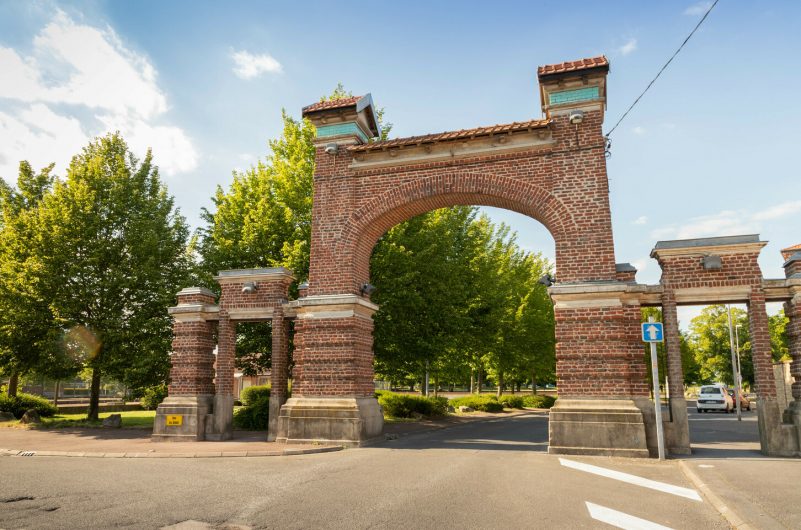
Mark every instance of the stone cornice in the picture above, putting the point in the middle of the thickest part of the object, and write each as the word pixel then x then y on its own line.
pixel 254 275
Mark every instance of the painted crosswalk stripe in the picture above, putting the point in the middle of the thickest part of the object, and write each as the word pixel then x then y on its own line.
pixel 633 479
pixel 620 519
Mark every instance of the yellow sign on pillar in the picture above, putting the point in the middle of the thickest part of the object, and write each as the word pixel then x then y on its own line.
pixel 175 419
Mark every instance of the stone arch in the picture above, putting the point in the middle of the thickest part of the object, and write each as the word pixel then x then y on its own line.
pixel 368 223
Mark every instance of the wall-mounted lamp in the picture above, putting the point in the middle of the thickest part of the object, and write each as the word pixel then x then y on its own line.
pixel 547 280
pixel 367 289
pixel 249 287
pixel 712 263
pixel 576 116
pixel 331 149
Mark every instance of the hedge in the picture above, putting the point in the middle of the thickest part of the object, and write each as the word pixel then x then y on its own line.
pixel 408 405
pixel 482 403
pixel 538 401
pixel 153 396
pixel 20 403
pixel 252 394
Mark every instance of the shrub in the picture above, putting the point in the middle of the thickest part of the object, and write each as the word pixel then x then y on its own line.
pixel 252 394
pixel 153 396
pixel 482 403
pixel 406 405
pixel 20 403
pixel 511 401
pixel 253 417
pixel 538 401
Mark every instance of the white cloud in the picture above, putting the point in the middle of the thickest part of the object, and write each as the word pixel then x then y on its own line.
pixel 641 264
pixel 629 47
pixel 641 220
pixel 79 81
pixel 249 66
pixel 697 9
pixel 639 130
pixel 727 222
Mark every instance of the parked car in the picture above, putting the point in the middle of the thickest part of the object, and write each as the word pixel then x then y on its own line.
pixel 745 404
pixel 714 397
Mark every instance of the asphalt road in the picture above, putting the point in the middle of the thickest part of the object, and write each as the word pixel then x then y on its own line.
pixel 489 474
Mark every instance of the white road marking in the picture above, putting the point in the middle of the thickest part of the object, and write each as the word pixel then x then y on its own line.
pixel 633 479
pixel 620 519
pixel 705 465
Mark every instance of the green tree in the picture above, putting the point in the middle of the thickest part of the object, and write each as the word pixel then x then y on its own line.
pixel 28 334
pixel 778 336
pixel 110 253
pixel 709 340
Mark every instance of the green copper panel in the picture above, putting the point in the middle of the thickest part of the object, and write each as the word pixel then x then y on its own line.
pixel 572 96
pixel 341 129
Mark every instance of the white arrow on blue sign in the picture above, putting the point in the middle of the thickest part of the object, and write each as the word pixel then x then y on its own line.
pixel 652 332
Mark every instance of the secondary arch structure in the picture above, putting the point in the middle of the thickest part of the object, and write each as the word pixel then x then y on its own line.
pixel 553 170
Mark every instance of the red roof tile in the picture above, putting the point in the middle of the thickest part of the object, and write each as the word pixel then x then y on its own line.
pixel 452 135
pixel 794 247
pixel 332 104
pixel 572 66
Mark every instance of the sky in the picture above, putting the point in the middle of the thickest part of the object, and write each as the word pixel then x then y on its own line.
pixel 710 150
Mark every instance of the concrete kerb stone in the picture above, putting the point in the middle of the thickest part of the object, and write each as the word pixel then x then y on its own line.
pixel 209 454
pixel 727 513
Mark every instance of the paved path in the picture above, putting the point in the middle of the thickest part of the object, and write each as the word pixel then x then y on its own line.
pixel 486 474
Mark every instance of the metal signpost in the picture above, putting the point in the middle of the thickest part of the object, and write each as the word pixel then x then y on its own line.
pixel 652 332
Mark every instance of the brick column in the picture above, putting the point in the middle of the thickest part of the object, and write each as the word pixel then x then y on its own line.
pixel 760 345
pixel 677 431
pixel 603 406
pixel 226 355
pixel 792 310
pixel 182 415
pixel 279 367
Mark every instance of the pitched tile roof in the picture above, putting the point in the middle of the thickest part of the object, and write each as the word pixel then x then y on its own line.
pixel 573 66
pixel 794 247
pixel 332 104
pixel 452 135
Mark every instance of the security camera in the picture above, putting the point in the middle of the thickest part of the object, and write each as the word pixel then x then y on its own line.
pixel 331 149
pixel 367 289
pixel 576 116
pixel 547 280
pixel 249 288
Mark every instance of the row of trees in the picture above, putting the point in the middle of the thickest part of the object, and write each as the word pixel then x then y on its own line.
pixel 88 265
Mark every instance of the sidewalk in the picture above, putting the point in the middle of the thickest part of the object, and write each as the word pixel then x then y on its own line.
pixel 135 443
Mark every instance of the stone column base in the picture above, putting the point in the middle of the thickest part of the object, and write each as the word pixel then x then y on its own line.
pixel 347 421
pixel 220 424
pixel 187 415
pixel 276 402
pixel 677 432
pixel 775 437
pixel 607 427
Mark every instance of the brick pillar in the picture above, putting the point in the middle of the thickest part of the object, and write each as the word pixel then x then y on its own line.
pixel 333 396
pixel 221 426
pixel 760 345
pixel 793 311
pixel 603 406
pixel 677 426
pixel 182 416
pixel 279 370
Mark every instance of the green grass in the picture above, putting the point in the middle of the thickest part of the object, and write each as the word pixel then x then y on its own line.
pixel 131 419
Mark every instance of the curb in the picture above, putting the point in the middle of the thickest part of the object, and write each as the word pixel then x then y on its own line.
pixel 207 454
pixel 734 520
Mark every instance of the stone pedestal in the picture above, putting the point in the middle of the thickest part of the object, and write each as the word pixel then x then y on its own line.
pixel 677 432
pixel 182 419
pixel 341 420
pixel 220 423
pixel 775 437
pixel 610 427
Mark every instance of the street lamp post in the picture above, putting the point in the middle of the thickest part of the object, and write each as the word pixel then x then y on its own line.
pixel 734 368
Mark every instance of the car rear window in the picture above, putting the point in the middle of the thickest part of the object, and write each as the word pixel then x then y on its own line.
pixel 711 390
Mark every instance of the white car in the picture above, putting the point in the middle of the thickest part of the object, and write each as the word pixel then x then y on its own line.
pixel 714 397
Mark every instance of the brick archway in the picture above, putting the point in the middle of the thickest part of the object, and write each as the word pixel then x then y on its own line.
pixel 367 224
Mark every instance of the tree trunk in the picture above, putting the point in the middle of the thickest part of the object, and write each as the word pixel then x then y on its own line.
pixel 472 381
pixel 500 384
pixel 13 383
pixel 94 397
pixel 55 394
pixel 534 382
pixel 480 382
pixel 436 385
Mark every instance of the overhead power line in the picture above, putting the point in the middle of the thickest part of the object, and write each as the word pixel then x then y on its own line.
pixel 663 67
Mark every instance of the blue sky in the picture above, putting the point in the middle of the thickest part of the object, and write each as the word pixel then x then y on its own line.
pixel 710 150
